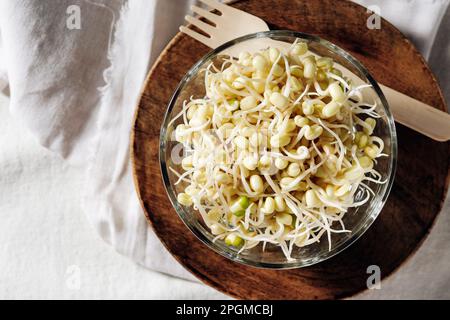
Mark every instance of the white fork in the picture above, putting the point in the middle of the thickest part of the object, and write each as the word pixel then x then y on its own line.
pixel 233 23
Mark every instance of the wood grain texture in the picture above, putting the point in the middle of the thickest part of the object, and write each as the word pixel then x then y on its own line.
pixel 419 189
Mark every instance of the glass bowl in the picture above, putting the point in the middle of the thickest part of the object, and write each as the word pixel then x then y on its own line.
pixel 358 220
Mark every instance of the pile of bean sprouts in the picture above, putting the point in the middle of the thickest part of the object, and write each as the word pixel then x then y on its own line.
pixel 277 149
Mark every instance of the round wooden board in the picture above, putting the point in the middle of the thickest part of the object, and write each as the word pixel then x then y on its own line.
pixel 419 189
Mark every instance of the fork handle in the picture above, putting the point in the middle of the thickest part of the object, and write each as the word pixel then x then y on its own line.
pixel 417 115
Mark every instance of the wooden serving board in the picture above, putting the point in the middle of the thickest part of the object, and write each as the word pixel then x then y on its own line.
pixel 419 189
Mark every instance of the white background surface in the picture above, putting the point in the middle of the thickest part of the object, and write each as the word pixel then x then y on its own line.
pixel 43 232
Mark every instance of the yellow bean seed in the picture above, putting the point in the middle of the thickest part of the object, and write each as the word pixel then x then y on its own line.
pixel 199 176
pixel 296 85
pixel 191 191
pixel 354 173
pixel 198 120
pixel 300 240
pixel 301 121
pixel 247 132
pixel 217 229
pixel 328 149
pixel 180 133
pixel 239 83
pixel 215 214
pixel 248 103
pixel 331 163
pixel 299 49
pixel 363 140
pixel 244 56
pixel 234 240
pixel 312 201
pixel 191 112
pixel 281 163
pixel 186 163
pixel 265 162
pixel 286 182
pixel 313 132
pixel 274 53
pixel 246 63
pixel 336 92
pixel 329 190
pixel 241 204
pixel 279 140
pixel 280 204
pixel 325 62
pixel 259 62
pixel 284 218
pixel 259 86
pixel 303 153
pixel 336 72
pixel 184 199
pixel 321 76
pixel 225 130
pixel 293 169
pixel 260 74
pixel 256 139
pixel 269 205
pixel 278 71
pixel 250 162
pixel 307 108
pixel 343 190
pixel 322 173
pixel 371 151
pixel 296 71
pixel 278 100
pixel 229 76
pixel 241 142
pixel 302 187
pixel 291 126
pixel 372 124
pixel 310 70
pixel 205 111
pixel 222 178
pixel 331 109
pixel 245 172
pixel 365 162
pixel 257 184
pixel 224 89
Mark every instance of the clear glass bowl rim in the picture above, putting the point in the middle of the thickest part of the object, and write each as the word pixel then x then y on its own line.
pixel 384 194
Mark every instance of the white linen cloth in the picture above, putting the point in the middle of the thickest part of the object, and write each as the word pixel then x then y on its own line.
pixel 54 74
